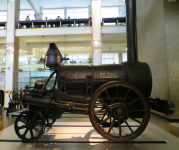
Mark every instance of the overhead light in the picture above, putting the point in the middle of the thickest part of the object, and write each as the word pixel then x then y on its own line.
pixel 126 49
pixel 21 49
pixel 96 42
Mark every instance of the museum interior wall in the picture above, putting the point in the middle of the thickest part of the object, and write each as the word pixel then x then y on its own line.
pixel 157 45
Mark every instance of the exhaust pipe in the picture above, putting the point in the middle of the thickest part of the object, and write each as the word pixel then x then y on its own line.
pixel 132 53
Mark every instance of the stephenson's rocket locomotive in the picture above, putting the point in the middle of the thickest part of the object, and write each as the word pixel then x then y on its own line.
pixel 114 96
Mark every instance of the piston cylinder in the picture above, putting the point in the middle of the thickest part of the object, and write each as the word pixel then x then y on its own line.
pixel 29 100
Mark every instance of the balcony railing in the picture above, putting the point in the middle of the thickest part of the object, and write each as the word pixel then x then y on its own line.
pixel 117 21
pixel 65 23
pixel 2 25
pixel 54 23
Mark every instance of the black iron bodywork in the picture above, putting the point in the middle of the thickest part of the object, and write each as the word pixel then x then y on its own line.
pixel 114 96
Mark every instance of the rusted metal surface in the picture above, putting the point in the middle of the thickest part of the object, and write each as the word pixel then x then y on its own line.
pixel 117 117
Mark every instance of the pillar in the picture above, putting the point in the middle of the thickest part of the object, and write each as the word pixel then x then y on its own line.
pixel 65 13
pixel 12 48
pixel 120 58
pixel 96 31
pixel 89 11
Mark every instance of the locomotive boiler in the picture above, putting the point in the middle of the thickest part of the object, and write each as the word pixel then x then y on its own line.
pixel 114 96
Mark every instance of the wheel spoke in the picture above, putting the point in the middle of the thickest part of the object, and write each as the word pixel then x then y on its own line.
pixel 126 95
pixel 97 119
pixel 25 132
pixel 104 120
pixel 119 124
pixel 32 134
pixel 22 120
pixel 129 126
pixel 103 116
pixel 133 101
pixel 135 120
pixel 21 127
pixel 111 126
pixel 108 95
pixel 37 130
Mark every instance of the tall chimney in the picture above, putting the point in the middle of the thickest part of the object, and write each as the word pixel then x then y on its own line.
pixel 132 53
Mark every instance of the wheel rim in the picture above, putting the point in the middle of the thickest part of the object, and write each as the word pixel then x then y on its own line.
pixel 119 128
pixel 29 125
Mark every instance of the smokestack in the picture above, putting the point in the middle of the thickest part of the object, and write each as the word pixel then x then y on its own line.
pixel 132 53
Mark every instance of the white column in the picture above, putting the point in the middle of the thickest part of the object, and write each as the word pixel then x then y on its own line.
pixel 12 48
pixel 96 31
pixel 65 13
pixel 89 11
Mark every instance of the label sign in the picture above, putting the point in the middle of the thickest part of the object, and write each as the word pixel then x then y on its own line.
pixel 109 75
pixel 9 92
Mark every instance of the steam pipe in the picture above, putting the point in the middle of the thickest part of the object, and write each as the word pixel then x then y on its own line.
pixel 132 53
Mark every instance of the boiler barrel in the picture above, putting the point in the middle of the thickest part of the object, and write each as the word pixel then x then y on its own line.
pixel 136 73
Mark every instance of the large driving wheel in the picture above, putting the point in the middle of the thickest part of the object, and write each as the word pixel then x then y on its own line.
pixel 29 125
pixel 119 111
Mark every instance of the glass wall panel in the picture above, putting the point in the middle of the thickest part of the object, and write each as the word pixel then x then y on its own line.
pixel 52 14
pixel 25 13
pixel 110 58
pixel 109 12
pixel 78 59
pixel 77 13
pixel 124 57
pixel 3 16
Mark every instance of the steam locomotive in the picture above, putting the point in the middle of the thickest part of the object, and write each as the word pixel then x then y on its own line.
pixel 114 96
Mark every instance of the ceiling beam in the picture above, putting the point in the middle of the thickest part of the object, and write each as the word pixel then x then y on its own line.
pixel 37 9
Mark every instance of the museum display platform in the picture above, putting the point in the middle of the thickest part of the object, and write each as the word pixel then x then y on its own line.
pixel 74 131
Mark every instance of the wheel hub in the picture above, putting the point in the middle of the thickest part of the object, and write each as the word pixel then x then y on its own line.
pixel 117 111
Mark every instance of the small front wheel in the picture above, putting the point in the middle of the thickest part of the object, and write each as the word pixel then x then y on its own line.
pixel 29 125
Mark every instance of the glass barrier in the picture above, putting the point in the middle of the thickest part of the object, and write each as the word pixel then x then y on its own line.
pixel 21 85
pixel 36 76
